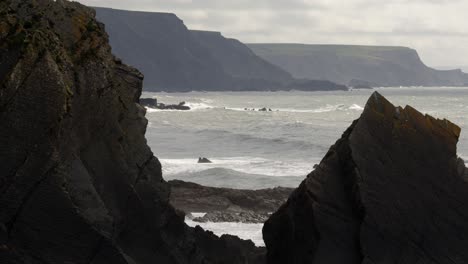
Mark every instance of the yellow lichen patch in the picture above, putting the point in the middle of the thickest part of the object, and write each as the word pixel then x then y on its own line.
pixel 68 90
pixel 4 29
pixel 79 22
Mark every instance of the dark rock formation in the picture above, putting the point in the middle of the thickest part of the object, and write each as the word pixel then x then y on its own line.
pixel 149 102
pixel 192 197
pixel 153 103
pixel 379 65
pixel 174 58
pixel 204 160
pixel 228 216
pixel 228 249
pixel 180 106
pixel 78 184
pixel 391 190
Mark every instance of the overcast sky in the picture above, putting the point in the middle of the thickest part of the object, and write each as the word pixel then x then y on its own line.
pixel 438 29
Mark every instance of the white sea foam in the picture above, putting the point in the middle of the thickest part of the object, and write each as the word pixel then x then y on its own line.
pixel 356 107
pixel 249 165
pixel 324 109
pixel 195 215
pixel 242 230
pixel 198 106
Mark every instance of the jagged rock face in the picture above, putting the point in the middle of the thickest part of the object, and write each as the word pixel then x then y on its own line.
pixel 391 190
pixel 78 184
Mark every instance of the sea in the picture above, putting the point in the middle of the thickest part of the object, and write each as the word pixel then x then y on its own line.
pixel 252 149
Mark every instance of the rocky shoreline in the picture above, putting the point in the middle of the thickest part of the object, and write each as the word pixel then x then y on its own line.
pixel 224 204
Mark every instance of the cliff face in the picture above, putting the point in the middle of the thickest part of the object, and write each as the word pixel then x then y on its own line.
pixel 174 58
pixel 382 66
pixel 78 184
pixel 162 47
pixel 238 60
pixel 391 190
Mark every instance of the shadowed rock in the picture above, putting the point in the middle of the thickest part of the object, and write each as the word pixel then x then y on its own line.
pixel 391 190
pixel 78 183
pixel 227 205
pixel 149 102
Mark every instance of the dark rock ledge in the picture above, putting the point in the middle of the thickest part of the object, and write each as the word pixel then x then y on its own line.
pixel 227 205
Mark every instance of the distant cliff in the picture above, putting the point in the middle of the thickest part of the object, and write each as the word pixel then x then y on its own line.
pixel 173 58
pixel 238 60
pixel 382 66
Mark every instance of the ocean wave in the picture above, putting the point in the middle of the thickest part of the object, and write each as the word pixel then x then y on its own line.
pixel 356 107
pixel 207 104
pixel 324 109
pixel 247 165
pixel 283 142
pixel 229 178
pixel 198 106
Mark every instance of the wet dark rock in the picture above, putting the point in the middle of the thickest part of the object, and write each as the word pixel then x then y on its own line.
pixel 149 102
pixel 78 183
pixel 204 160
pixel 153 103
pixel 228 216
pixel 192 197
pixel 391 190
pixel 180 106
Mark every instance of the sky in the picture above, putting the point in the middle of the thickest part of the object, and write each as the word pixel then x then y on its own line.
pixel 438 29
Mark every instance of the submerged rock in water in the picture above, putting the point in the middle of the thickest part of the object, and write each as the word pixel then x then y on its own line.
pixel 204 160
pixel 180 106
pixel 153 103
pixel 149 102
pixel 391 190
pixel 78 183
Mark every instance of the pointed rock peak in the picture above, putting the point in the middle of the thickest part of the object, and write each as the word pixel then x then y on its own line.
pixel 378 103
pixel 378 107
pixel 393 178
